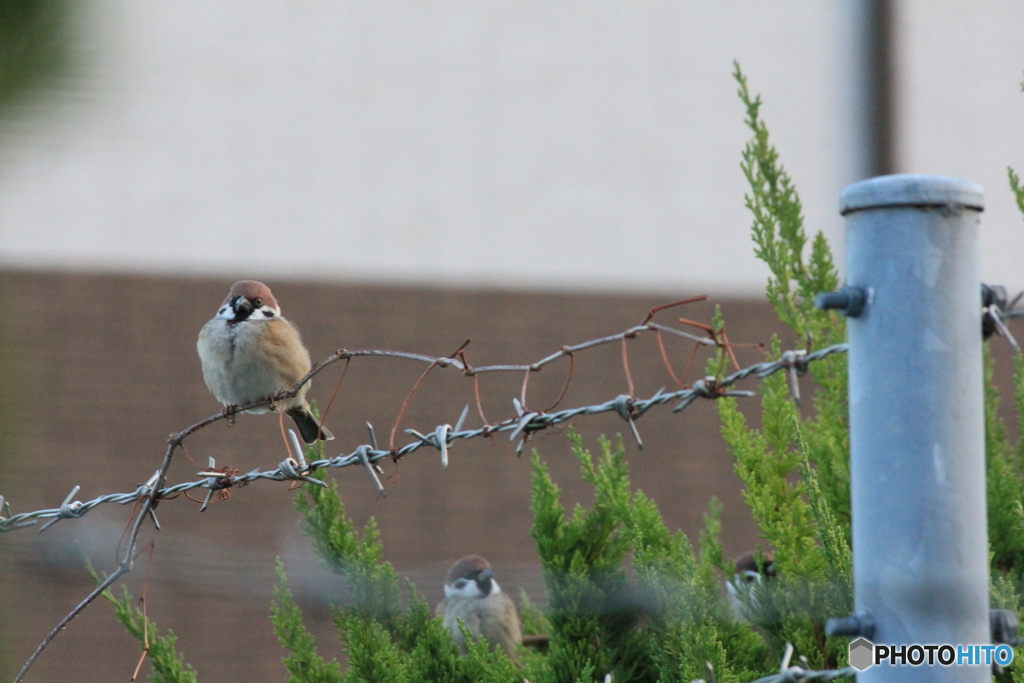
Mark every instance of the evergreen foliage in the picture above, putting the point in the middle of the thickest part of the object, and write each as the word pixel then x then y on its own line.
pixel 373 585
pixel 388 634
pixel 1004 462
pixel 795 470
pixel 1004 477
pixel 167 665
pixel 780 241
pixel 593 616
pixel 1016 188
pixel 663 626
pixel 302 662
pixel 532 620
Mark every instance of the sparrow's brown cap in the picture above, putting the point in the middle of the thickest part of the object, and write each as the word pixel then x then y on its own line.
pixel 747 562
pixel 468 567
pixel 251 289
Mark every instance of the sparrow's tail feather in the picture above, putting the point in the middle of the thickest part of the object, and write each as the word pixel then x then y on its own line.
pixel 309 428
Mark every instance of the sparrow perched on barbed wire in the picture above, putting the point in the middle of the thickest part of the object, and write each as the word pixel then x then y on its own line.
pixel 249 353
pixel 472 595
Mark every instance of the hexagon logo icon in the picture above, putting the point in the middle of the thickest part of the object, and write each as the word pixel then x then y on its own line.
pixel 862 654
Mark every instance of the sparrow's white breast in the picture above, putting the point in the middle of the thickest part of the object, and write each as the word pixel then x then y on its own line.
pixel 493 617
pixel 469 610
pixel 242 363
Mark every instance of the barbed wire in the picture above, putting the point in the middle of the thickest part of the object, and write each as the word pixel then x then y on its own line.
pixel 295 468
pixel 796 674
pixel 788 673
pixel 997 307
pixel 440 438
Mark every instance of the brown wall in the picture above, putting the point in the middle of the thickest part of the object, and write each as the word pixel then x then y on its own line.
pixel 97 370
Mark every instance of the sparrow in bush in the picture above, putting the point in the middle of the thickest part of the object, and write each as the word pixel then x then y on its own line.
pixel 472 595
pixel 249 353
pixel 747 576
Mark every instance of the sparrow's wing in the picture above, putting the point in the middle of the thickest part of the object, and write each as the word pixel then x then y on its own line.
pixel 502 629
pixel 512 618
pixel 285 351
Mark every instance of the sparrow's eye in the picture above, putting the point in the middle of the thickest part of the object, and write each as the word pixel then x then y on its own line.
pixel 461 583
pixel 257 302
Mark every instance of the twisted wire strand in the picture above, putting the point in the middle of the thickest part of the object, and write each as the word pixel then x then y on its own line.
pixel 796 674
pixel 523 425
pixel 788 673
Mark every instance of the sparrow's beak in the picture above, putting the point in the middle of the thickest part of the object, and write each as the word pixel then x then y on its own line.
pixel 485 574
pixel 242 304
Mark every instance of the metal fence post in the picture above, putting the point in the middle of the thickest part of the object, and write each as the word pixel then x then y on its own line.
pixel 916 417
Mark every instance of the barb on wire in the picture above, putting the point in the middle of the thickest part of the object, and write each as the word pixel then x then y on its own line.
pixel 296 468
pixel 524 423
pixel 363 457
pixel 794 369
pixel 995 309
pixel 627 411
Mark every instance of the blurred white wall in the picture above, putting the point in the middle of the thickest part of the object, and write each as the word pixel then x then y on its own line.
pixel 537 144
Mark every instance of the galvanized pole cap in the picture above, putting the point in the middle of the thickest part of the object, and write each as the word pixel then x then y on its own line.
pixel 911 189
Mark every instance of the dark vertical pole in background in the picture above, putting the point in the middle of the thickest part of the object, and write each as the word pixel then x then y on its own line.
pixel 879 71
